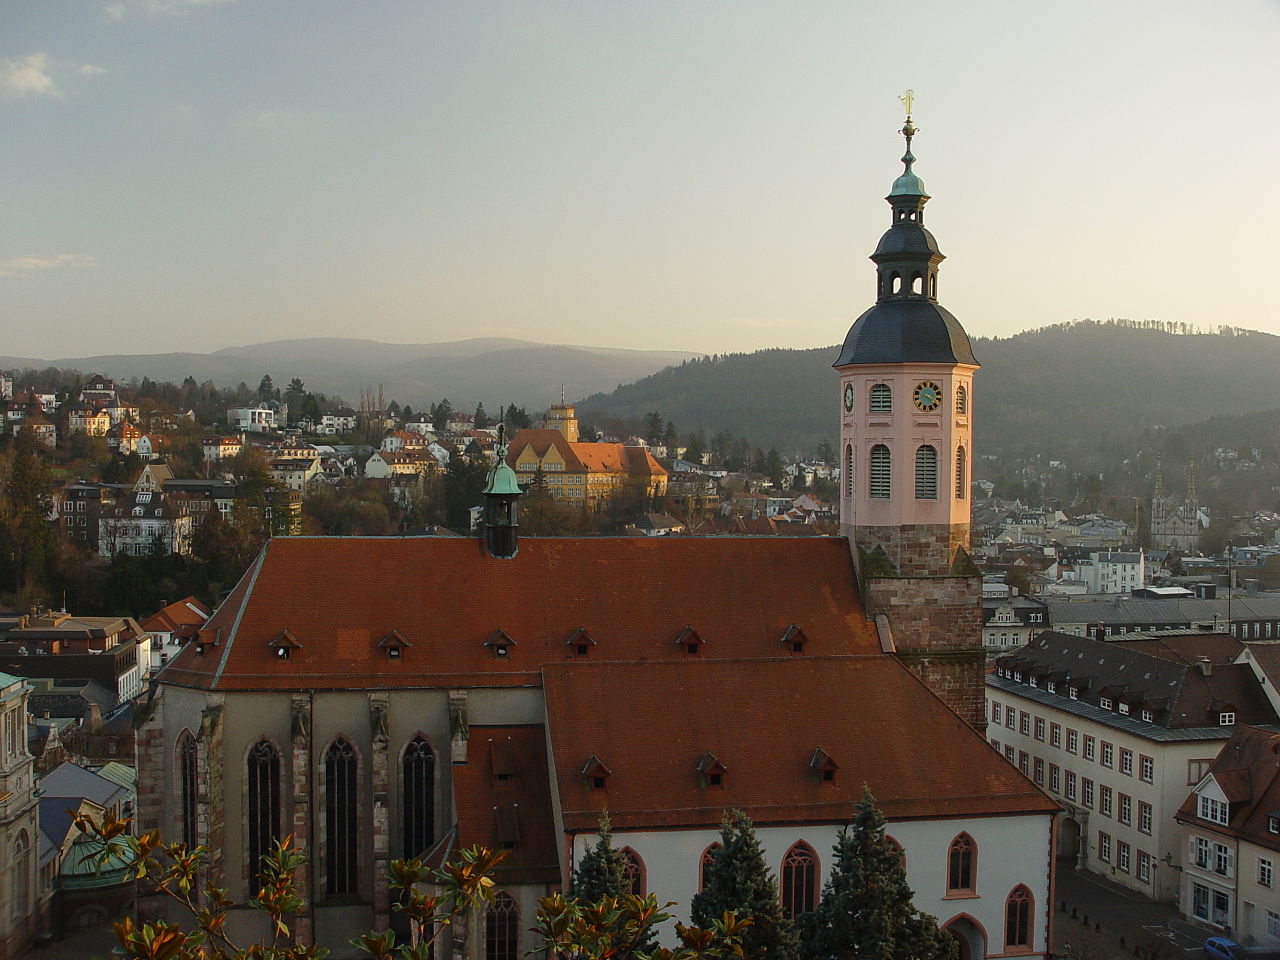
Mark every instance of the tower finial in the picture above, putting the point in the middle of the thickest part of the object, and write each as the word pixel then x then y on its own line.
pixel 907 99
pixel 909 129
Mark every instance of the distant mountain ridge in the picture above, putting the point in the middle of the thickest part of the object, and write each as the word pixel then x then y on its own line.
pixel 492 370
pixel 1055 390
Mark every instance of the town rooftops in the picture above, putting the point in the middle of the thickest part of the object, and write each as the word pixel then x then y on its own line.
pixel 585 457
pixel 1247 771
pixel 340 595
pixel 1185 611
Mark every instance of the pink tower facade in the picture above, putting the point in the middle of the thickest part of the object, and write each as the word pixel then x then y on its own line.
pixel 906 400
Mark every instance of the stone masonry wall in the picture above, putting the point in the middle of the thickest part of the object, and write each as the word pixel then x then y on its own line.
pixel 917 550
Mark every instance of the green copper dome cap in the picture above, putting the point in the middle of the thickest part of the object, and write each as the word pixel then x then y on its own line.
pixel 502 479
pixel 908 185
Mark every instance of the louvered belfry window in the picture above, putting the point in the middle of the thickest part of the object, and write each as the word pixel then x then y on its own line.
pixel 848 471
pixel 961 483
pixel 341 798
pixel 881 399
pixel 962 400
pixel 880 477
pixel 926 472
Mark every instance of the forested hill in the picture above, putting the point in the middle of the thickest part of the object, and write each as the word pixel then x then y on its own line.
pixel 1082 386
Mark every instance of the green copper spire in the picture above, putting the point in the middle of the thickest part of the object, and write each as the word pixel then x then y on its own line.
pixel 908 185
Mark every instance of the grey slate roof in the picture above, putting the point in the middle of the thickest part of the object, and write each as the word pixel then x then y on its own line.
pixel 1171 611
pixel 72 781
pixel 906 331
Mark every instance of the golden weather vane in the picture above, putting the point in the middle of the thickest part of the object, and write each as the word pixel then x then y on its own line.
pixel 907 99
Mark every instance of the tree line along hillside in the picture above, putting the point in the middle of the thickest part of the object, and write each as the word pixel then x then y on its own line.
pixel 1076 385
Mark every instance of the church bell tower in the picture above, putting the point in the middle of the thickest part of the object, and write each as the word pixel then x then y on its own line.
pixel 906 406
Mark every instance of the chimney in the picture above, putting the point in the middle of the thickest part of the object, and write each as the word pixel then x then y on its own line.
pixel 1205 665
pixel 93 720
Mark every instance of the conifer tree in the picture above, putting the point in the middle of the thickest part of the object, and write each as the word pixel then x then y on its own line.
pixel 866 908
pixel 600 876
pixel 738 880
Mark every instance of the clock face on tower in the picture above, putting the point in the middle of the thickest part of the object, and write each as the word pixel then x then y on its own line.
pixel 927 396
pixel 848 397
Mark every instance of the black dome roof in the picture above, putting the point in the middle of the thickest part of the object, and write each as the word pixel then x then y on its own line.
pixel 907 238
pixel 906 331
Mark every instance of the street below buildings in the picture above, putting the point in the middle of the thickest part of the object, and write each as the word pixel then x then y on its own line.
pixel 1097 919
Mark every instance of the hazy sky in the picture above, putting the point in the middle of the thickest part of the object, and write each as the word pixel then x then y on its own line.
pixel 193 174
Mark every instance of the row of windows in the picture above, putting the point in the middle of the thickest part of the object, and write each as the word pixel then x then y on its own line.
pixel 1226 717
pixel 1035 727
pixel 880 399
pixel 1063 782
pixel 1124 857
pixel 880 472
pixel 341 797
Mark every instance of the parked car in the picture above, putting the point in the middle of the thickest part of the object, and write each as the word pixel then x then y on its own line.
pixel 1224 948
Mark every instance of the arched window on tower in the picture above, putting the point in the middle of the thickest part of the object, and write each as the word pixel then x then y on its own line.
pixel 917 285
pixel 881 399
pixel 895 283
pixel 962 399
pixel 188 766
pixel 926 472
pixel 20 879
pixel 879 477
pixel 933 286
pixel 632 871
pixel 418 784
pixel 799 880
pixel 848 470
pixel 502 928
pixel 341 800
pixel 962 865
pixel 1018 915
pixel 262 779
pixel 962 483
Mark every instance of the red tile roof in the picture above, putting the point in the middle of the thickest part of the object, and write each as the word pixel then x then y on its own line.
pixel 763 720
pixel 492 811
pixel 339 596
pixel 586 457
pixel 188 612
pixel 1248 770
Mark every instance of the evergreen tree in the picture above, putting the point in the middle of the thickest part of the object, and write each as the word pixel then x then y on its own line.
pixel 866 908
pixel 481 419
pixel 266 389
pixel 601 875
pixel 738 880
pixel 25 502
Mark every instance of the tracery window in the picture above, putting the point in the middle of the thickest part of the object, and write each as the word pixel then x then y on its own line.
pixel 880 477
pixel 188 766
pixel 926 472
pixel 502 928
pixel 704 864
pixel 881 399
pixel 961 865
pixel 799 880
pixel 342 798
pixel 633 871
pixel 20 882
pixel 263 782
pixel 418 785
pixel 1017 919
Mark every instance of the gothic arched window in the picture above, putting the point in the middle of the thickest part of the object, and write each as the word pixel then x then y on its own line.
pixel 962 399
pixel 962 865
pixel 1017 919
pixel 263 807
pixel 632 871
pixel 502 929
pixel 188 768
pixel 926 472
pixel 879 476
pixel 848 470
pixel 418 785
pixel 704 864
pixel 881 399
pixel 799 880
pixel 961 483
pixel 341 801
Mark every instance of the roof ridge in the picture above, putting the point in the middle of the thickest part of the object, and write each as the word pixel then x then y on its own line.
pixel 244 602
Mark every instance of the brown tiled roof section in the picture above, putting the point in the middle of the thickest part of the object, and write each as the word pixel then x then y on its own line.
pixel 1187 647
pixel 339 596
pixel 763 720
pixel 490 809
pixel 1248 770
pixel 588 457
pixel 169 618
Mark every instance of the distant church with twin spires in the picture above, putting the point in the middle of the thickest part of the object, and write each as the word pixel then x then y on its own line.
pixel 387 697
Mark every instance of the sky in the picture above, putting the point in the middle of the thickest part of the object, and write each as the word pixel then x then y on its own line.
pixel 186 175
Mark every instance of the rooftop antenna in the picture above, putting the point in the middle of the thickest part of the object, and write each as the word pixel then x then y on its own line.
pixel 562 394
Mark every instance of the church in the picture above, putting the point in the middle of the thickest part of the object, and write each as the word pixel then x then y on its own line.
pixel 388 697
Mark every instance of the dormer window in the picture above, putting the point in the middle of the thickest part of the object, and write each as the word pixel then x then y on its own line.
pixel 691 641
pixel 1227 718
pixel 710 770
pixel 1073 693
pixel 1215 811
pixel 1148 716
pixel 580 642
pixel 794 639
pixel 596 773
pixel 394 644
pixel 500 644
pixel 823 765
pixel 502 760
pixel 507 816
pixel 1123 708
pixel 1273 823
pixel 1051 686
pixel 284 644
pixel 1104 703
